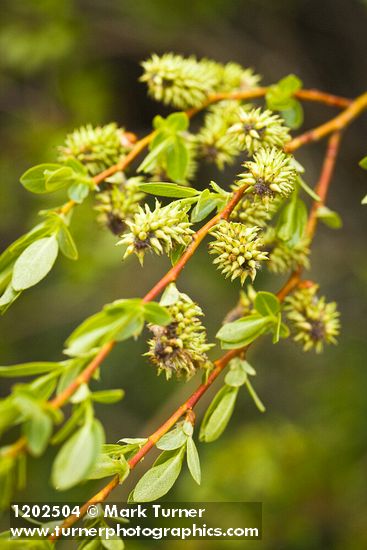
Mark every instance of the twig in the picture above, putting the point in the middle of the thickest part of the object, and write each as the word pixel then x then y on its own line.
pixel 334 125
pixel 60 400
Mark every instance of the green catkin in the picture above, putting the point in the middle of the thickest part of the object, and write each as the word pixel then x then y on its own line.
pixel 180 82
pixel 158 230
pixel 314 322
pixel 117 203
pixel 179 349
pixel 214 142
pixel 187 82
pixel 97 148
pixel 238 248
pixel 271 173
pixel 251 210
pixel 258 128
pixel 282 256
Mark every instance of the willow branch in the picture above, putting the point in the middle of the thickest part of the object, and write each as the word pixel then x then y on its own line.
pixel 334 125
pixel 294 280
pixel 256 93
pixel 140 145
pixel 21 444
pixel 187 405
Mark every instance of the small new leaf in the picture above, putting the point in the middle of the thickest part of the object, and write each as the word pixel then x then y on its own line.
pixel 292 221
pixel 172 440
pixel 163 189
pixel 242 332
pixel 156 314
pixel 108 396
pixel 34 263
pixel 30 369
pixel 266 304
pixel 329 217
pixel 218 414
pixel 193 461
pixel 157 481
pixel 77 456
pixel 34 179
pixel 66 243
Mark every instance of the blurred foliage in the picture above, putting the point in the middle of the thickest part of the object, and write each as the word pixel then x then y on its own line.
pixel 76 61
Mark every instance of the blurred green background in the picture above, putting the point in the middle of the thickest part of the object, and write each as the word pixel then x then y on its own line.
pixel 76 61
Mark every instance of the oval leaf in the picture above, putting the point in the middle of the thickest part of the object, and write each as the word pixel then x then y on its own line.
pixel 77 456
pixel 168 190
pixel 193 461
pixel 157 481
pixel 172 440
pixel 244 331
pixel 156 314
pixel 34 179
pixel 29 369
pixel 218 414
pixel 267 303
pixel 34 263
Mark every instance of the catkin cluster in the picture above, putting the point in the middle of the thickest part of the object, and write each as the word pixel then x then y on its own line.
pixel 314 321
pixel 179 349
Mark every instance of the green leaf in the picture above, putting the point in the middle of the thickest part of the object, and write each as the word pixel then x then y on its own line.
pixel 158 147
pixel 255 397
pixel 293 116
pixel 115 322
pixel 38 430
pixel 244 331
pixel 66 243
pixel 177 253
pixel 267 303
pixel 163 189
pixel 78 192
pixel 9 414
pixel 280 98
pixel 156 314
pixel 57 179
pixel 170 296
pixel 206 204
pixel 177 159
pixel 187 428
pixel 34 179
pixel 292 221
pixel 172 440
pixel 43 386
pixel 157 481
pixel 108 396
pixel 77 456
pixel 290 84
pixel 30 369
pixel 277 328
pixel 236 376
pixel 17 247
pixel 218 414
pixel 177 122
pixel 8 298
pixel 69 426
pixel 329 217
pixel 34 263
pixel 193 461
pixel 71 371
pixel 308 189
pixel 363 163
pixel 105 466
pixel 279 95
